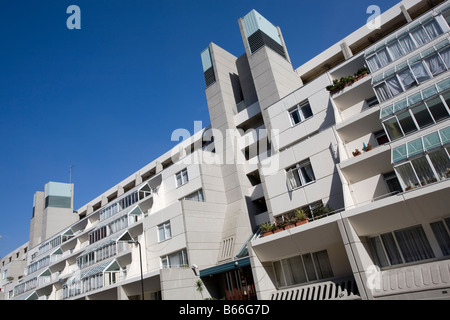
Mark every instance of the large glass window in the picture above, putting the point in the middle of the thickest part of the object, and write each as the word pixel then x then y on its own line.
pixel 442 234
pixel 420 72
pixel 417 117
pixel 441 163
pixel 303 268
pixel 435 64
pixel 401 246
pixel 420 36
pixel 433 29
pixel 393 128
pixel 394 86
pixel 413 244
pixel 407 176
pixel 423 170
pixel 374 63
pixel 437 108
pixel 403 44
pixel 175 260
pixel 407 79
pixel 422 115
pixel 395 49
pixel 445 55
pixel 407 43
pixel 406 122
pixel 382 92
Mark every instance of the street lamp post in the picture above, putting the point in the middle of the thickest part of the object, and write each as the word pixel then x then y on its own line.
pixel 140 261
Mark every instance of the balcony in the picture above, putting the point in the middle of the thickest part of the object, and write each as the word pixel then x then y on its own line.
pixel 367 164
pixel 357 91
pixel 413 279
pixel 335 289
pixel 363 123
pixel 304 238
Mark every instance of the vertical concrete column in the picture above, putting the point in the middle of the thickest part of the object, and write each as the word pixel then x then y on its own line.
pixel 346 50
pixel 360 261
pixel 222 98
pixel 121 294
pixel 104 200
pixel 138 179
pixel 405 13
pixel 159 167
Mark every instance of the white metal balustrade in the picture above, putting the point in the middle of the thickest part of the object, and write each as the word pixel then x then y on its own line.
pixel 341 289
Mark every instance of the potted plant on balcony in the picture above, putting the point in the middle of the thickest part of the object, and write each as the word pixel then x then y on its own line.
pixel 356 152
pixel 301 217
pixel 361 73
pixel 322 211
pixel 367 147
pixel 289 222
pixel 266 228
pixel 279 226
pixel 339 84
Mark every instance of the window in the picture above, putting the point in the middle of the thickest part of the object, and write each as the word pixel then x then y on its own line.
pixel 300 113
pixel 440 162
pixel 422 115
pixel 403 44
pixel 393 128
pixel 406 174
pixel 435 64
pixel 195 196
pixel 412 72
pixel 372 101
pixel 418 116
pixel 174 260
pixel 407 79
pixel 401 246
pixel 300 175
pixel 423 160
pixel 303 268
pixel 182 177
pixel 392 182
pixel 406 122
pixel 164 231
pixel 441 230
pixel 419 71
pixel 97 234
pixel 381 137
pixel 437 108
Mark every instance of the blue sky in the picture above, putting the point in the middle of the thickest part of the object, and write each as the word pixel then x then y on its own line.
pixel 105 99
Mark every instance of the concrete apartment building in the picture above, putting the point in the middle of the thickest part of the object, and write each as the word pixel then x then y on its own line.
pixel 356 139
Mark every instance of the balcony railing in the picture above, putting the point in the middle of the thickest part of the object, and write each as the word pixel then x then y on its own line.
pixel 339 289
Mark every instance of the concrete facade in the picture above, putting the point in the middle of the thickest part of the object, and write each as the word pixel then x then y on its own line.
pixel 284 141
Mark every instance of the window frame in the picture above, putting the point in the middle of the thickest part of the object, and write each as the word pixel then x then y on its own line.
pixel 426 102
pixel 398 248
pixel 282 263
pixel 199 193
pixel 297 168
pixel 166 228
pixel 165 259
pixel 299 109
pixel 445 222
pixel 402 35
pixel 184 177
